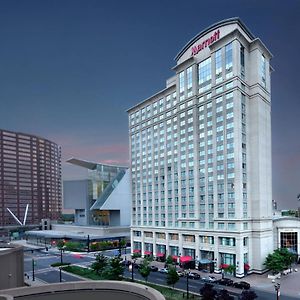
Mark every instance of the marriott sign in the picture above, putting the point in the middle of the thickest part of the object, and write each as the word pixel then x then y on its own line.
pixel 196 49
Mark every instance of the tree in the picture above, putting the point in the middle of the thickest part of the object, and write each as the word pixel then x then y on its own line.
pixel 172 276
pixel 100 264
pixel 115 270
pixel 224 295
pixel 169 260
pixel 279 260
pixel 248 295
pixel 230 269
pixel 208 292
pixel 144 269
pixel 60 244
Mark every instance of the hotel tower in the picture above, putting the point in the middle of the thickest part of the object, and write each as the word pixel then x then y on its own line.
pixel 200 153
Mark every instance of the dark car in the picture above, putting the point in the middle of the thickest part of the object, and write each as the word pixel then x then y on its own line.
pixel 137 266
pixel 125 263
pixel 193 275
pixel 225 281
pixel 242 285
pixel 153 268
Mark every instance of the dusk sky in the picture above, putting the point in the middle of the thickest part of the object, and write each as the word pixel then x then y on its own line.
pixel 69 70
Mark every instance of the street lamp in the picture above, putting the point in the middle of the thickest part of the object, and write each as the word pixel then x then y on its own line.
pixel 277 290
pixel 130 268
pixel 61 254
pixel 187 283
pixel 33 275
pixel 88 243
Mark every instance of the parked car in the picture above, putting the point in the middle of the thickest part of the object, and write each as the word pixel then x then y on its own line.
pixel 242 285
pixel 209 279
pixel 153 268
pixel 193 275
pixel 125 263
pixel 180 273
pixel 163 270
pixel 225 281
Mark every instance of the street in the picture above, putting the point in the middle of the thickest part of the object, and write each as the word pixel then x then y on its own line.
pixel 44 272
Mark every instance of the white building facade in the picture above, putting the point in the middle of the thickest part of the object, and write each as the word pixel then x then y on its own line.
pixel 201 154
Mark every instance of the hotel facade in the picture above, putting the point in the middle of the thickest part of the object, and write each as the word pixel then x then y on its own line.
pixel 200 154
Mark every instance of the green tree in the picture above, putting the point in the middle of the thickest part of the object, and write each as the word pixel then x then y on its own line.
pixel 172 276
pixel 230 269
pixel 115 270
pixel 207 292
pixel 224 295
pixel 169 260
pixel 100 264
pixel 60 244
pixel 248 295
pixel 279 260
pixel 144 269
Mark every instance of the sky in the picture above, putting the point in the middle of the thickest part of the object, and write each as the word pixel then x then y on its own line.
pixel 69 70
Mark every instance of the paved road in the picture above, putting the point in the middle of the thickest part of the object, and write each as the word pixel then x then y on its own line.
pixel 46 273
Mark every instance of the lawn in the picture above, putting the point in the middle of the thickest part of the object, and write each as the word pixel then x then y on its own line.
pixel 168 293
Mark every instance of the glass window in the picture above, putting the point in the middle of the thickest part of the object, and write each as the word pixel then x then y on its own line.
pixel 263 70
pixel 242 58
pixel 218 62
pixel 189 75
pixel 228 57
pixel 205 71
pixel 181 82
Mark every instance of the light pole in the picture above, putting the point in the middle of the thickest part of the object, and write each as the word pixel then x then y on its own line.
pixel 187 283
pixel 33 275
pixel 60 278
pixel 88 243
pixel 277 290
pixel 61 256
pixel 131 267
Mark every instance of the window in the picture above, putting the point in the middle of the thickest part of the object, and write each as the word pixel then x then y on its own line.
pixel 221 225
pixel 263 70
pixel 218 62
pixel 226 241
pixel 181 84
pixel 189 75
pixel 228 57
pixel 242 58
pixel 204 72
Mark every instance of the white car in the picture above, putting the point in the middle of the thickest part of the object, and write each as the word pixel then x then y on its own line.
pixel 163 270
pixel 180 273
pixel 209 279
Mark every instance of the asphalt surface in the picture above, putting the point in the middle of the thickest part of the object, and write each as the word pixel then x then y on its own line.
pixel 44 272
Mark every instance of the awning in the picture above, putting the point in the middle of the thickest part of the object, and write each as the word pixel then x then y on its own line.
pixel 204 261
pixel 185 259
pixel 224 266
pixel 159 254
pixel 174 257
pixel 147 252
pixel 136 251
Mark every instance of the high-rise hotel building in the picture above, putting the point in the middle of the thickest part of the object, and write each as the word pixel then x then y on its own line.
pixel 201 154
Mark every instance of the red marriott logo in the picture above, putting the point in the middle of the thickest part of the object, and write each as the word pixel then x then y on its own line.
pixel 196 49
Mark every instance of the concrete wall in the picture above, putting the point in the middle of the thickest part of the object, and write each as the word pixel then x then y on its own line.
pixel 120 199
pixel 12 266
pixel 89 289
